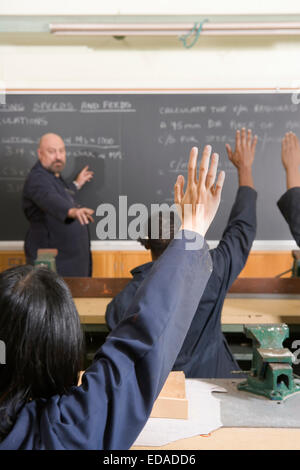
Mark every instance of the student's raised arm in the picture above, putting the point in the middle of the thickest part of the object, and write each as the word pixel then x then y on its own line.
pixel 242 157
pixel 116 397
pixel 240 231
pixel 289 203
pixel 290 157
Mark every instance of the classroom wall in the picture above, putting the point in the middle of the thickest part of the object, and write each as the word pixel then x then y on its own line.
pixel 166 7
pixel 44 61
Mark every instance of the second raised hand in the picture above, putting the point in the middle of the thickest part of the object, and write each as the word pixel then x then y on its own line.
pixel 290 155
pixel 243 155
pixel 200 201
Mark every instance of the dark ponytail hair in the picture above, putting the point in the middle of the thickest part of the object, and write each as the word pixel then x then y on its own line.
pixel 40 328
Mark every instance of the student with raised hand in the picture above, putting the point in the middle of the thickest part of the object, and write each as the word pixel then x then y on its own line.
pixel 41 406
pixel 205 352
pixel 289 203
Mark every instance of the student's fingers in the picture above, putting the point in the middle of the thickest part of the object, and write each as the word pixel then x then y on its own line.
pixel 181 186
pixel 283 145
pixel 289 141
pixel 192 167
pixel 178 189
pixel 254 142
pixel 243 137
pixel 219 184
pixel 229 151
pixel 249 137
pixel 178 194
pixel 212 172
pixel 204 164
pixel 201 187
pixel 285 138
pixel 238 140
pixel 295 140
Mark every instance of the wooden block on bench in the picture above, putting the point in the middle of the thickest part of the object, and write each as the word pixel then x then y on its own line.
pixel 172 401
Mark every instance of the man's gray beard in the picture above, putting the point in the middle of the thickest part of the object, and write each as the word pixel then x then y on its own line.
pixel 56 170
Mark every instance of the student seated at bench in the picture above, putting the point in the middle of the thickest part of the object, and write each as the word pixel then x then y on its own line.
pixel 41 406
pixel 289 203
pixel 205 352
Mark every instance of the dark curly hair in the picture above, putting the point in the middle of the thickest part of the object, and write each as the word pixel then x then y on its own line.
pixel 161 228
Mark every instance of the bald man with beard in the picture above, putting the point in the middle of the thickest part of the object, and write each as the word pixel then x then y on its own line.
pixel 56 220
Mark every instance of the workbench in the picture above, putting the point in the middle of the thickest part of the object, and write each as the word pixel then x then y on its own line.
pixel 253 300
pixel 249 301
pixel 238 439
pixel 243 416
pixel 236 311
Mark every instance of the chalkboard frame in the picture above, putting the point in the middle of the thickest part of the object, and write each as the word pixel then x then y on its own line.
pixel 260 244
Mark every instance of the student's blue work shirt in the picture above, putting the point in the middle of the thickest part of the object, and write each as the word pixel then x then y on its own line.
pixel 110 408
pixel 46 202
pixel 205 352
pixel 289 205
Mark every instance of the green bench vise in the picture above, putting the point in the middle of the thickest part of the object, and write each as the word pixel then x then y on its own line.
pixel 46 258
pixel 271 373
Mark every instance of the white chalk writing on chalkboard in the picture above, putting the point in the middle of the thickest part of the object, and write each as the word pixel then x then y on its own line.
pixel 285 108
pixel 12 172
pixel 292 125
pixel 180 125
pixel 53 107
pixel 211 123
pixel 178 166
pixel 14 187
pixel 9 151
pixel 180 110
pixel 23 121
pixel 17 140
pixel 101 142
pixel 12 108
pixel 218 109
pixel 211 138
pixel 106 106
pixel 235 125
pixel 239 109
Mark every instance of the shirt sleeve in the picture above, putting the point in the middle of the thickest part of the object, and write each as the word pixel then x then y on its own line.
pixel 117 307
pixel 45 196
pixel 118 390
pixel 289 206
pixel 237 239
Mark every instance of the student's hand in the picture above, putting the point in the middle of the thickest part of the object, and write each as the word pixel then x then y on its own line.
pixel 243 155
pixel 199 203
pixel 290 156
pixel 84 176
pixel 82 214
